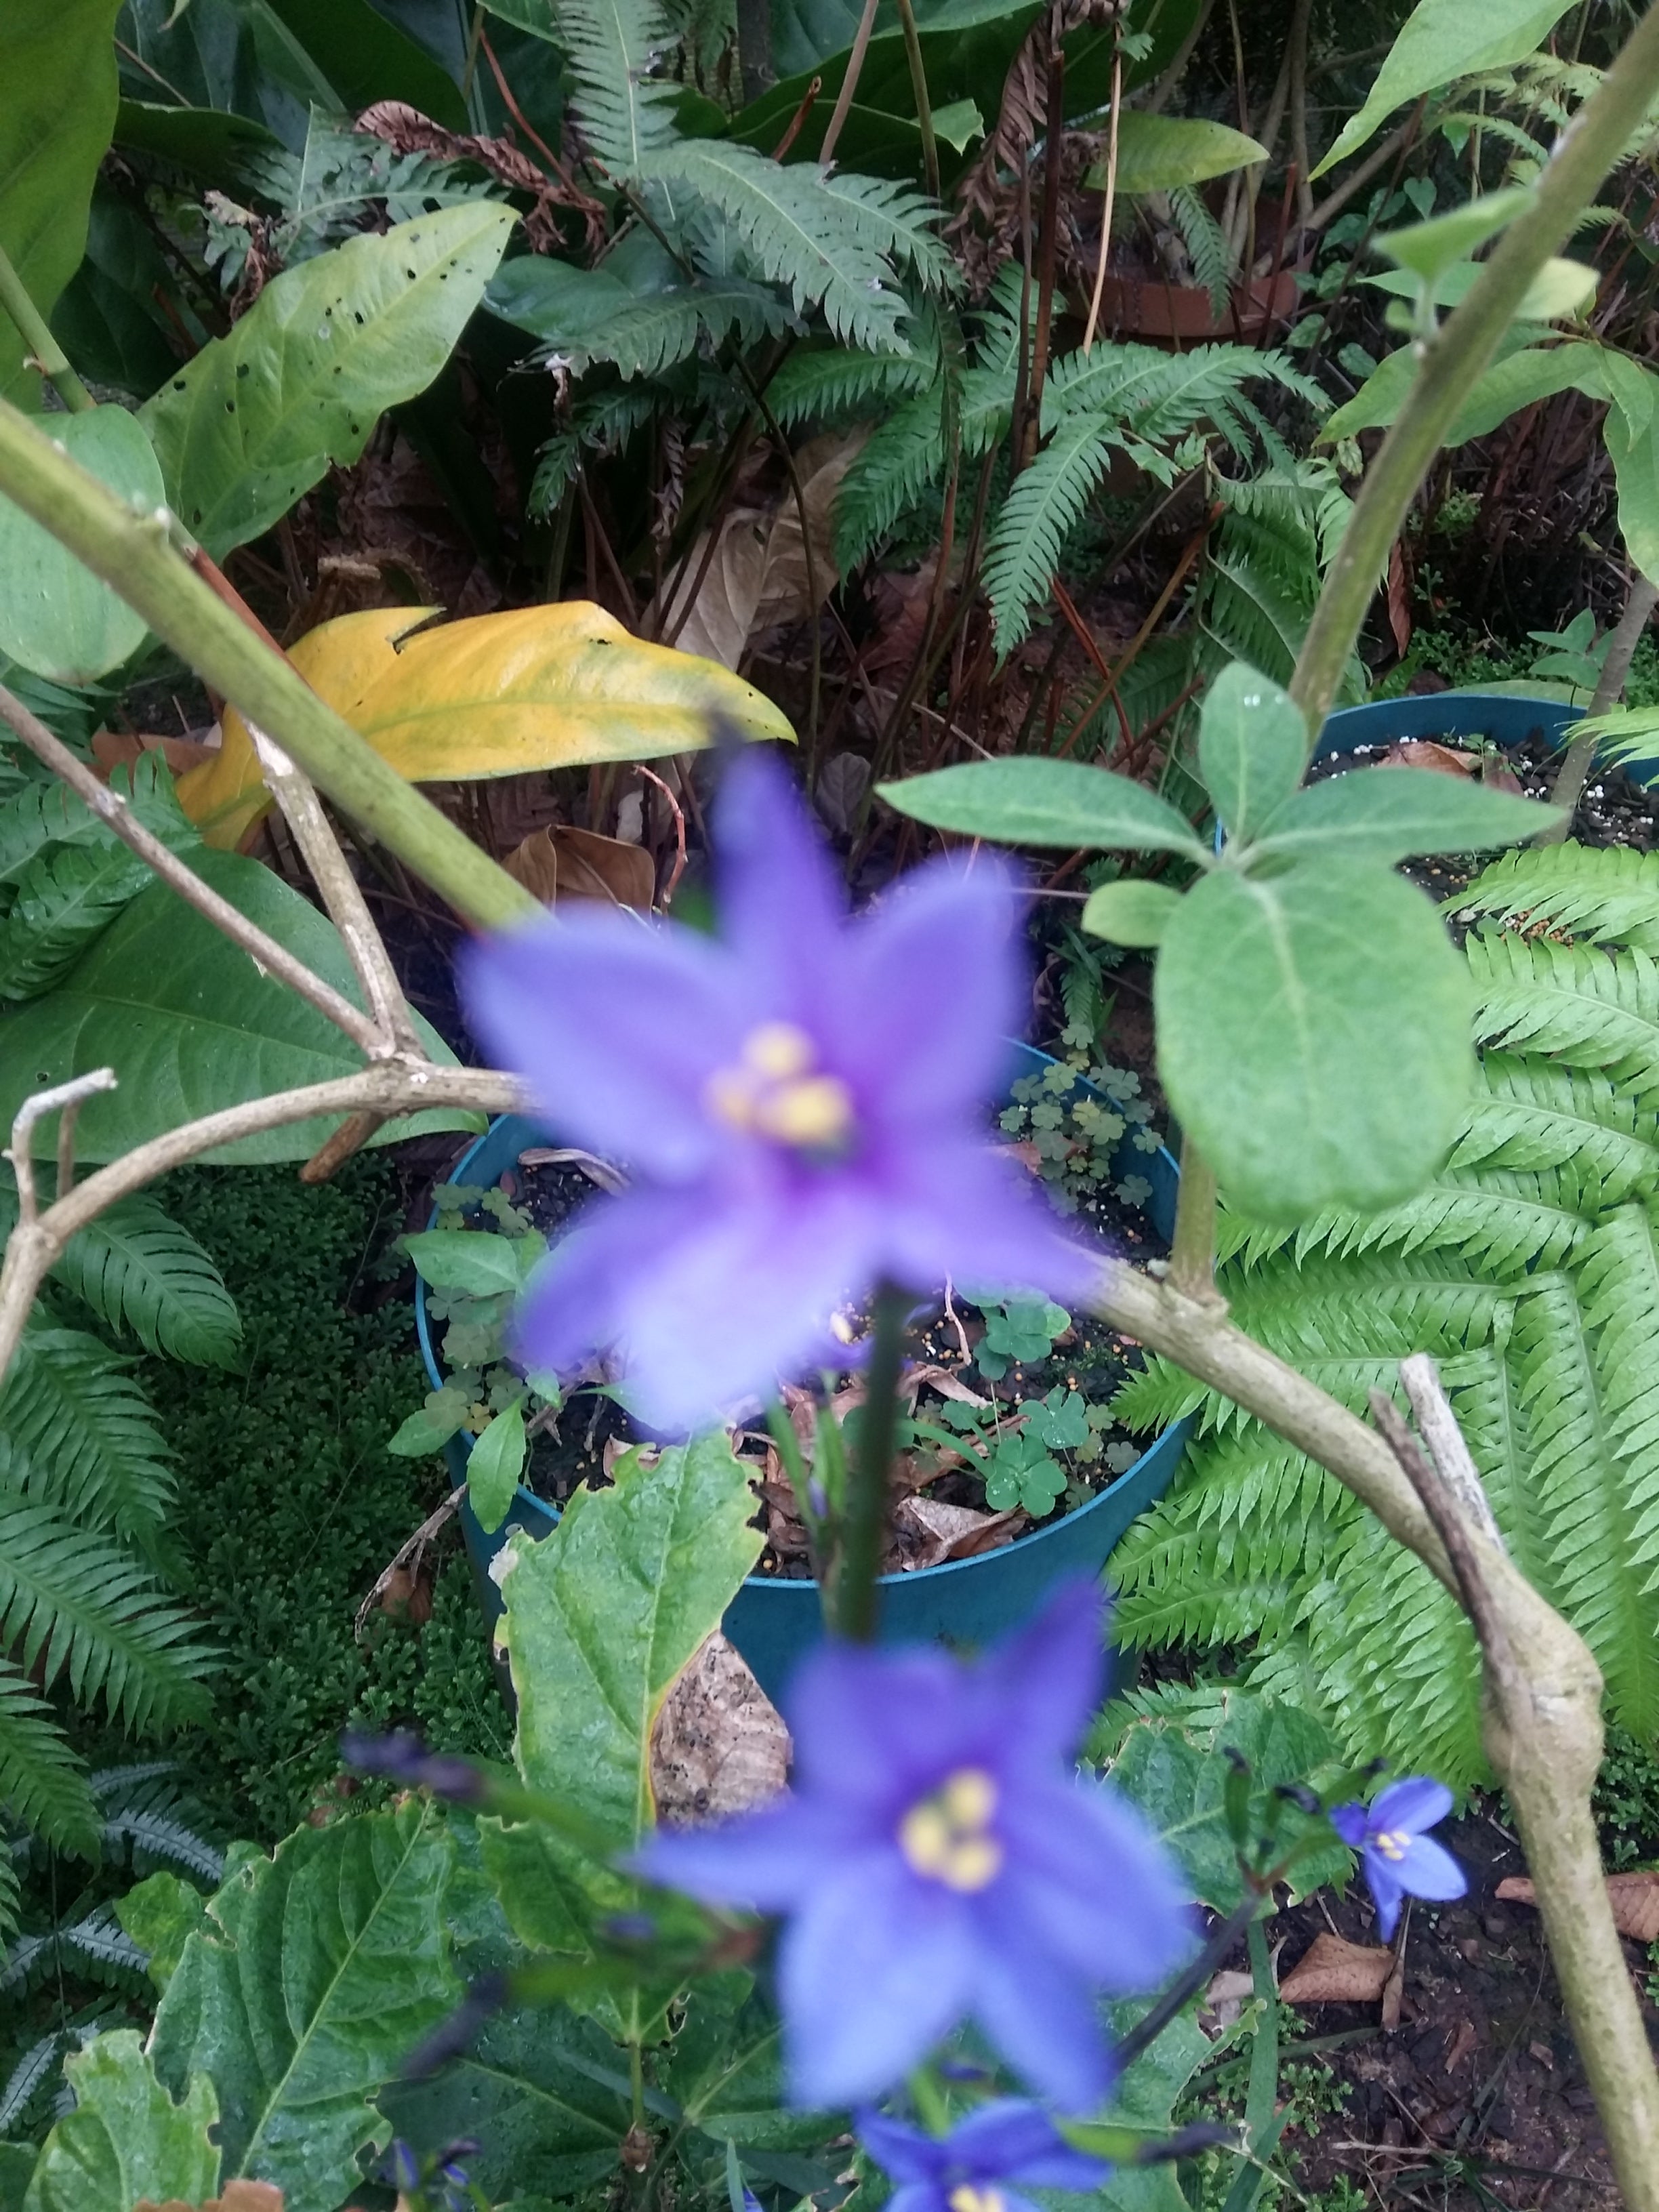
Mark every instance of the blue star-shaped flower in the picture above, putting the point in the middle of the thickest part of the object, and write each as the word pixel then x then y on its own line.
pixel 1398 1859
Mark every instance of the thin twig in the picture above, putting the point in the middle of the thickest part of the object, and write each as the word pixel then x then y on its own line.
pixel 1438 1425
pixel 63 1097
pixel 849 83
pixel 112 807
pixel 1111 188
pixel 666 897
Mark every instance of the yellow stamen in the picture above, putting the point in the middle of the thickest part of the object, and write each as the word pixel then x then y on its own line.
pixel 966 2199
pixel 815 1110
pixel 1392 1843
pixel 773 1092
pixel 946 1836
pixel 778 1050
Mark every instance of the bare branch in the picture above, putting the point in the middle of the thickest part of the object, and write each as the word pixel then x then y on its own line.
pixel 110 807
pixel 1436 1424
pixel 65 1097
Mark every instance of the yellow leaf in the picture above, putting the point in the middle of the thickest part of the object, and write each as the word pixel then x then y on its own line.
pixel 534 687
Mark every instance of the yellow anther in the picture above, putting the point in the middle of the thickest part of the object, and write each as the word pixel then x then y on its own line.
pixel 817 1110
pixel 1392 1843
pixel 945 1837
pixel 966 2199
pixel 778 1050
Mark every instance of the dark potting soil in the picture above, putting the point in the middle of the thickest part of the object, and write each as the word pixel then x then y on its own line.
pixel 1081 1367
pixel 1610 810
pixel 1477 2099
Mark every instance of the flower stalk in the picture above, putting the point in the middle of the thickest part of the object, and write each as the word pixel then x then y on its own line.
pixel 36 333
pixel 864 1523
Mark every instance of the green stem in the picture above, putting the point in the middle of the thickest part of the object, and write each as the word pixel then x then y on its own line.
pixel 1192 1248
pixel 135 555
pixel 1455 358
pixel 636 2079
pixel 36 335
pixel 865 1521
pixel 919 93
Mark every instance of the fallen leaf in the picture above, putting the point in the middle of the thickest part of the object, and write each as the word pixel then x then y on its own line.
pixel 559 863
pixel 1423 752
pixel 1228 1994
pixel 240 2196
pixel 113 749
pixel 946 1381
pixel 937 1532
pixel 719 1745
pixel 841 789
pixel 1634 1899
pixel 1333 1970
pixel 1462 2044
pixel 1399 597
pixel 1393 1990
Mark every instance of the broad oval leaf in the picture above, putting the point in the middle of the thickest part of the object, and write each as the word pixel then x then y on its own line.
pixel 1131 913
pixel 313 1977
pixel 191 1025
pixel 256 418
pixel 1252 748
pixel 55 617
pixel 1441 41
pixel 1160 153
pixel 462 1260
pixel 1313 1036
pixel 126 2142
pixel 1045 802
pixel 1388 814
pixel 494 1466
pixel 603 1615
pixel 494 695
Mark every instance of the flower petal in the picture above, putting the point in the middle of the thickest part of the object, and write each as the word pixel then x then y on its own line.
pixel 956 1211
pixel 1051 1672
pixel 782 907
pixel 1430 1871
pixel 618 1026
pixel 1387 1889
pixel 763 1861
pixel 1351 1823
pixel 1015 2140
pixel 936 985
pixel 903 2151
pixel 879 1726
pixel 872 1970
pixel 1414 1804
pixel 1042 2019
pixel 1089 1884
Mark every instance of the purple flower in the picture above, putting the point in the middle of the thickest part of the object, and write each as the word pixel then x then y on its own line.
pixel 801 1103
pixel 401 1757
pixel 1399 1858
pixel 940 1859
pixel 969 2170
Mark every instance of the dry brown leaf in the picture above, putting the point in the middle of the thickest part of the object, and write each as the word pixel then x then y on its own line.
pixel 1423 752
pixel 560 863
pixel 1333 1970
pixel 1228 1994
pixel 238 2196
pixel 950 1532
pixel 1634 1899
pixel 946 1381
pixel 1400 598
pixel 113 749
pixel 719 1745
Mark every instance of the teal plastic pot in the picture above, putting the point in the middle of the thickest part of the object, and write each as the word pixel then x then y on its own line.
pixel 773 1621
pixel 1507 718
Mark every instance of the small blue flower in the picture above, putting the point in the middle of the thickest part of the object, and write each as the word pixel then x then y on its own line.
pixel 940 1858
pixel 969 2170
pixel 402 1757
pixel 1399 1859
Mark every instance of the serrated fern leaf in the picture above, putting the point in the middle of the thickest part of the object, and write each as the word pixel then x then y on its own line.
pixel 1206 245
pixel 65 897
pixel 99 1948
pixel 37 817
pixel 77 1431
pixel 76 1607
pixel 1570 1001
pixel 141 1272
pixel 29 2079
pixel 1618 1280
pixel 1608 893
pixel 625 114
pixel 42 1783
pixel 837 242
pixel 153 1839
pixel 839 383
pixel 902 457
pixel 1047 499
pixel 1536 1115
pixel 1594 1500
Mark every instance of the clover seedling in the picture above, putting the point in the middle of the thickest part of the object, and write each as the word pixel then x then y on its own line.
pixel 1022 1473
pixel 1019 1333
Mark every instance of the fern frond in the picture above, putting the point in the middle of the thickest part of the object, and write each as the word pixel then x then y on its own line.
pixel 39 816
pixel 1160 396
pixel 836 241
pixel 98 1948
pixel 42 1784
pixel 1607 894
pixel 140 1271
pixel 76 1606
pixel 30 2078
pixel 1617 1281
pixel 153 1839
pixel 65 897
pixel 1594 1501
pixel 1535 1115
pixel 1048 498
pixel 1206 245
pixel 1570 1001
pixel 900 459
pixel 834 384
pixel 625 113
pixel 77 1431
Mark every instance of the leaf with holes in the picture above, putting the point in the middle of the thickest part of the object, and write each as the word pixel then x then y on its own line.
pixel 55 617
pixel 127 2140
pixel 256 418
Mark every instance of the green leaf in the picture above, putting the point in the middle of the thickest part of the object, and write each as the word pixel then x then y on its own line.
pixel 604 1614
pixel 256 417
pixel 1143 2105
pixel 317 1973
pixel 1388 814
pixel 126 2138
pixel 55 617
pixel 1045 802
pixel 160 1913
pixel 57 65
pixel 138 1270
pixel 1130 913
pixel 1161 153
pixel 476 1261
pixel 1313 1036
pixel 1443 40
pixel 423 1433
pixel 493 1467
pixel 1428 250
pixel 367 58
pixel 1252 748
pixel 1635 457
pixel 191 1024
pixel 589 315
